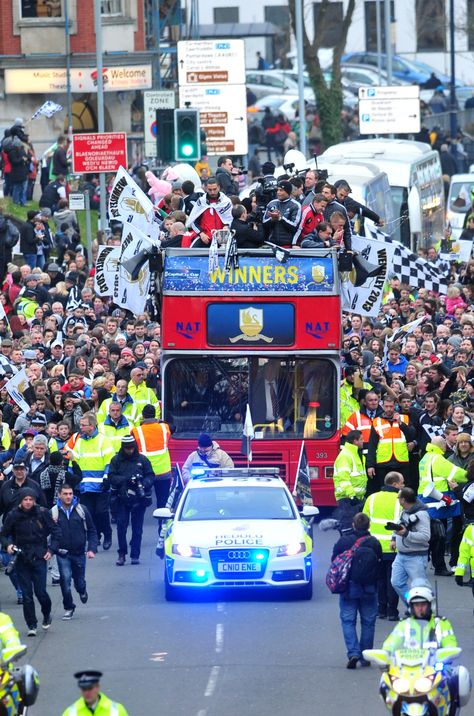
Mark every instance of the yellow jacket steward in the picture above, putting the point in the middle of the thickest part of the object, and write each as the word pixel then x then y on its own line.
pixel 93 455
pixel 387 443
pixel 129 409
pixel 434 467
pixel 141 396
pixel 350 477
pixel 358 421
pixel 9 637
pixel 466 553
pixel 105 707
pixel 152 439
pixel 383 507
pixel 418 633
pixel 115 431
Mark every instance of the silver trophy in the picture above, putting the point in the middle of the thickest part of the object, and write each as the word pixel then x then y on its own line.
pixel 222 236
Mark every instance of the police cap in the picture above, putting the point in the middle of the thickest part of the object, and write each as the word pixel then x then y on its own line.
pixel 87 679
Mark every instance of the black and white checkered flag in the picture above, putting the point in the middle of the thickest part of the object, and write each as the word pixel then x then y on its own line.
pixel 47 109
pixel 411 269
pixel 433 430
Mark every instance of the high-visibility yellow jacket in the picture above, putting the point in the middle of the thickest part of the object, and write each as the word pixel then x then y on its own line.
pixel 141 396
pixel 434 467
pixel 27 307
pixel 350 477
pixel 417 633
pixel 93 455
pixel 466 552
pixel 383 507
pixel 5 436
pixel 129 409
pixel 152 439
pixel 105 707
pixel 115 431
pixel 9 637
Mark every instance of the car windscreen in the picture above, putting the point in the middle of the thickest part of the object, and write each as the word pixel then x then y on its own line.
pixel 237 503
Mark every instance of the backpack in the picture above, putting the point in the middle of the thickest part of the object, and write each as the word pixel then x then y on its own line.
pixel 339 572
pixel 79 510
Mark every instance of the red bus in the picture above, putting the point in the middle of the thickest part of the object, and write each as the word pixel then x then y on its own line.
pixel 266 333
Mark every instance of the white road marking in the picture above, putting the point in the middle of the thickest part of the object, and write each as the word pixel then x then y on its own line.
pixel 220 606
pixel 202 712
pixel 158 656
pixel 211 684
pixel 219 638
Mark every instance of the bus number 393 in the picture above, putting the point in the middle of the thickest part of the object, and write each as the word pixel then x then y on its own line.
pixel 321 455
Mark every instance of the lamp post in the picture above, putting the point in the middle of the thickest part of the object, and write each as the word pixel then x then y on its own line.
pixel 453 119
pixel 100 102
pixel 68 68
pixel 299 58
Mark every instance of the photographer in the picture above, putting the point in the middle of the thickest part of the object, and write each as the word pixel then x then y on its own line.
pixel 248 233
pixel 265 191
pixel 131 477
pixel 411 538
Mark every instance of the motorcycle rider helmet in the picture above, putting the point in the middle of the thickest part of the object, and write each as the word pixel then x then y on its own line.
pixel 420 594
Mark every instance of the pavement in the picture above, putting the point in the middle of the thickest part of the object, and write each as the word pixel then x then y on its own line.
pixel 219 657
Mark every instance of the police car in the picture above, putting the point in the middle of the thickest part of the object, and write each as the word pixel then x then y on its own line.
pixel 235 529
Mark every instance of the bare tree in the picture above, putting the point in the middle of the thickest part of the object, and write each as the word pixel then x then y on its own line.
pixel 328 97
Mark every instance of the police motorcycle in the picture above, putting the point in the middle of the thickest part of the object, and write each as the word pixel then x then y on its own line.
pixel 19 686
pixel 421 682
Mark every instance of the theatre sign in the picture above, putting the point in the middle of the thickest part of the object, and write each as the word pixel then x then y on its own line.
pixel 83 79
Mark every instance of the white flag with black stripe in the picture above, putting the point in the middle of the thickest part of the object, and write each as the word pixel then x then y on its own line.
pixel 47 109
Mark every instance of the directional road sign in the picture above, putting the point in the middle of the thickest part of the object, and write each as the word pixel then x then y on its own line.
pixel 211 62
pixel 387 110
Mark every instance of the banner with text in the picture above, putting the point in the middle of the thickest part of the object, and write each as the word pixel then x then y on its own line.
pixel 362 292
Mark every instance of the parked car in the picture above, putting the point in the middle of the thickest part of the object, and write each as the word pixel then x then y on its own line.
pixel 411 71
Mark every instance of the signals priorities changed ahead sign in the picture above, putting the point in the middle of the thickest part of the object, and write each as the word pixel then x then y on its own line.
pixel 99 152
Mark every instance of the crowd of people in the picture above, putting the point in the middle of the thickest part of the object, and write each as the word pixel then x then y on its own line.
pixel 91 448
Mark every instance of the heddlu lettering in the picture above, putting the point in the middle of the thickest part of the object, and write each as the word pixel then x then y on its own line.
pixel 188 329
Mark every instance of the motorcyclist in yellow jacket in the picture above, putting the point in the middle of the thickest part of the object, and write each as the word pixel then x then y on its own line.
pixel 9 638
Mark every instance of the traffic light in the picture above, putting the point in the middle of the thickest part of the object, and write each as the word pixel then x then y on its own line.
pixel 187 135
pixel 203 143
pixel 165 135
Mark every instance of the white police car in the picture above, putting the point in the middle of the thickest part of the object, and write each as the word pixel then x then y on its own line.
pixel 237 529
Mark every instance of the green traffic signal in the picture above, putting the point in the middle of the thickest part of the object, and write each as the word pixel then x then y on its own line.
pixel 187 134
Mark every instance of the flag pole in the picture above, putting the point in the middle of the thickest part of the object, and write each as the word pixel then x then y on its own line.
pixel 248 452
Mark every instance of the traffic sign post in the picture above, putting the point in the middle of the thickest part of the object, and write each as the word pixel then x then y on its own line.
pixel 389 110
pixel 211 75
pixel 81 202
pixel 154 102
pixel 99 152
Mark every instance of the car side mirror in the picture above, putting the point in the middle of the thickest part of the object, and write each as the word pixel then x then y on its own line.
pixel 163 513
pixel 309 511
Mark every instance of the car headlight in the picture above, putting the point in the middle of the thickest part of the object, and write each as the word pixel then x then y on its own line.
pixel 400 686
pixel 423 684
pixel 186 550
pixel 289 550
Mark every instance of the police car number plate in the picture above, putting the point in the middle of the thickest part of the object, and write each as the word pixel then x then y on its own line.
pixel 238 567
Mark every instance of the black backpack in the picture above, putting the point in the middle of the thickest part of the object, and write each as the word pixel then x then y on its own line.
pixel 364 567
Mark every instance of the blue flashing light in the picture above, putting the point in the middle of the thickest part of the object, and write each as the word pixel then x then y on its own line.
pixel 259 556
pixel 308 561
pixel 439 666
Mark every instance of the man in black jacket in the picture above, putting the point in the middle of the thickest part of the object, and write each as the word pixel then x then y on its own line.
pixel 282 217
pixel 361 594
pixel 28 240
pixel 10 489
pixel 78 540
pixel 131 478
pixel 247 234
pixel 28 527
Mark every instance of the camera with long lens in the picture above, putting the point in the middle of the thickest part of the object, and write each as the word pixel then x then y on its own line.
pixel 408 523
pixel 136 487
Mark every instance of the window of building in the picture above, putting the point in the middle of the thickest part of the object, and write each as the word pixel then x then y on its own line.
pixel 370 9
pixel 226 14
pixel 470 24
pixel 332 23
pixel 41 8
pixel 430 25
pixel 111 7
pixel 278 46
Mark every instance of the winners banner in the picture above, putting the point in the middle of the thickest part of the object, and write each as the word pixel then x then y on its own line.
pixel 362 287
pixel 106 269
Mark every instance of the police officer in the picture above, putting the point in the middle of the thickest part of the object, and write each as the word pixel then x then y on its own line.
pixel 383 507
pixel 350 478
pixel 92 699
pixel 131 478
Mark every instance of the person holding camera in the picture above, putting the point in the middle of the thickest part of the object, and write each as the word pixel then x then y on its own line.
pixel 131 478
pixel 411 538
pixel 78 539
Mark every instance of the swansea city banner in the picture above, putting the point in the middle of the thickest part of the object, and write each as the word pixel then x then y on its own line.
pixel 362 287
pixel 105 270
pixel 16 389
pixel 129 204
pixel 132 280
